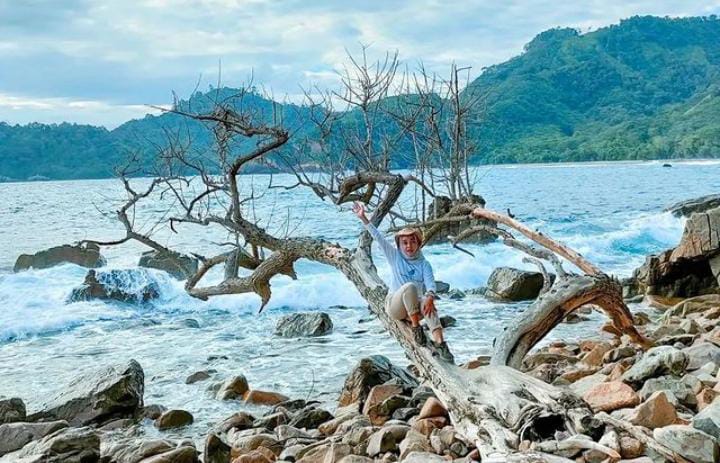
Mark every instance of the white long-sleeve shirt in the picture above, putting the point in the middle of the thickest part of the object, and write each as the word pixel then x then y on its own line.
pixel 404 270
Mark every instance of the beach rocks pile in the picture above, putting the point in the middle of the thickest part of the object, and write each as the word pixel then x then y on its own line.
pixel 671 391
pixel 383 414
pixel 86 256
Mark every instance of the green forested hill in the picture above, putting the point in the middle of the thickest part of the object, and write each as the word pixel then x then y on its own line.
pixel 646 88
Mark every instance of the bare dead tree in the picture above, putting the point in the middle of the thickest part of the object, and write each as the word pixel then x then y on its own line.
pixel 494 407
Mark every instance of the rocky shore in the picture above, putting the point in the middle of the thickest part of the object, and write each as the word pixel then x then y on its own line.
pixel 386 413
pixel 649 406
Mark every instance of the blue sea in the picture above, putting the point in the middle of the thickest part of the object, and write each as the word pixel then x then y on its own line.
pixel 609 212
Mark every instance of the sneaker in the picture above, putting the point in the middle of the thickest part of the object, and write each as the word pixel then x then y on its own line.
pixel 443 351
pixel 419 335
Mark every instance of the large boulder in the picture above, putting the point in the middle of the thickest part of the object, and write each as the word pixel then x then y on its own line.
pixel 691 443
pixel 69 445
pixel 12 410
pixel 85 256
pixel 511 284
pixel 14 436
pixel 708 420
pixel 690 269
pixel 688 207
pixel 370 372
pixel 130 285
pixel 304 324
pixel 96 398
pixel 178 265
pixel 658 361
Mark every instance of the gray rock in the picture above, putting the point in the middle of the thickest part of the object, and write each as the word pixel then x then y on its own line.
pixel 233 388
pixel 708 420
pixel 511 284
pixel 700 354
pixel 116 392
pixel 455 295
pixel 239 420
pixel 689 442
pixel 174 419
pixel 85 256
pixel 441 287
pixel 689 206
pixel 129 285
pixel 215 450
pixel 369 372
pixel 181 454
pixel 14 436
pixel 310 418
pixel 178 265
pixel 656 362
pixel 134 450
pixel 198 376
pixel 446 321
pixel 672 385
pixel 12 410
pixel 69 445
pixel 386 439
pixel 304 324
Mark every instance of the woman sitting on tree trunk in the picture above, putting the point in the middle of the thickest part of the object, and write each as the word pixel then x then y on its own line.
pixel 412 285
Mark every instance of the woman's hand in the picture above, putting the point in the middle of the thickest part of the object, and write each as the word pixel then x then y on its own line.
pixel 359 210
pixel 428 308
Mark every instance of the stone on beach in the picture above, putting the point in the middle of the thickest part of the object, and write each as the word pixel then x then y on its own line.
pixel 657 361
pixel 370 372
pixel 94 398
pixel 68 445
pixel 304 324
pixel 655 412
pixel 691 443
pixel 14 436
pixel 128 285
pixel 511 284
pixel 174 419
pixel 84 256
pixel 178 265
pixel 12 410
pixel 233 388
pixel 610 396
pixel 258 397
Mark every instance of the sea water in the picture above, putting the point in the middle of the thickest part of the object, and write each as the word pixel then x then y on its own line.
pixel 612 213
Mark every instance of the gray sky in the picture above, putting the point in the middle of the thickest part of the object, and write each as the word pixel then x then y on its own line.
pixel 102 62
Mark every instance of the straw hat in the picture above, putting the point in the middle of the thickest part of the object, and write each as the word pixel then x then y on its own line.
pixel 416 232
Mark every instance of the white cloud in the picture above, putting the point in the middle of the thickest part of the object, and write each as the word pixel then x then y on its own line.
pixel 126 53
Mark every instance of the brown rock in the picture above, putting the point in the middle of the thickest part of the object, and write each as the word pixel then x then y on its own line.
pixel 375 398
pixel 254 456
pixel 706 397
pixel 617 372
pixel 655 412
pixel 594 358
pixel 233 388
pixel 611 396
pixel 258 397
pixel 425 426
pixel 174 419
pixel 630 447
pixel 574 375
pixel 432 408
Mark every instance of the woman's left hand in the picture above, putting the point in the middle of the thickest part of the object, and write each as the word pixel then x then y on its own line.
pixel 428 308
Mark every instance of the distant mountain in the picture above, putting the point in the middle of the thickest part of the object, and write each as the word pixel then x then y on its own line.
pixel 646 88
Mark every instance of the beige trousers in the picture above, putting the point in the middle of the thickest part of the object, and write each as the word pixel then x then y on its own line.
pixel 407 300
